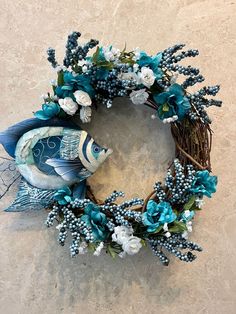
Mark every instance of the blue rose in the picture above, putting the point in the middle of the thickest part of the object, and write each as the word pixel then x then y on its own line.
pixel 151 62
pixel 63 196
pixel 172 103
pixel 204 184
pixel 96 220
pixel 48 111
pixel 157 215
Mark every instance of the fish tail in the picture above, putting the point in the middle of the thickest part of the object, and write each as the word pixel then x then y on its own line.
pixel 29 197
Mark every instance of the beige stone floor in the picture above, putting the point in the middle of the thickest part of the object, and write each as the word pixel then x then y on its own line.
pixel 36 275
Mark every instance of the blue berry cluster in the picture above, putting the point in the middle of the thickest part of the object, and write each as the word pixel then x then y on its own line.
pixel 179 182
pixel 75 52
pixel 173 245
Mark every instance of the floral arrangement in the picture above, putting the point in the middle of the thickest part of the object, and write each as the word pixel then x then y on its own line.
pixel 92 76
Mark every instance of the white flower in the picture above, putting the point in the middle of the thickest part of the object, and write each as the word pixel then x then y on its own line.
pixel 168 234
pixel 58 227
pixel 153 116
pixel 121 234
pixel 85 114
pixel 53 82
pixel 132 245
pixel 98 250
pixel 147 77
pixel 139 97
pixel 44 96
pixel 60 68
pixel 82 98
pixel 83 248
pixel 189 226
pixel 111 53
pixel 165 227
pixel 122 254
pixel 135 67
pixel 199 202
pixel 68 105
pixel 171 119
pixel 185 235
pixel 137 52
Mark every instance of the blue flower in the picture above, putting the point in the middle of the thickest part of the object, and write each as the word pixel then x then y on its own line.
pixel 157 215
pixel 96 220
pixel 48 111
pixel 71 83
pixel 172 103
pixel 151 62
pixel 204 184
pixel 63 196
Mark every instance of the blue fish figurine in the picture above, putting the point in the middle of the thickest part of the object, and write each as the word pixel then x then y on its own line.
pixel 50 155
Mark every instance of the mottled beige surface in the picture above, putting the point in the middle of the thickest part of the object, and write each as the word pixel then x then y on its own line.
pixel 36 275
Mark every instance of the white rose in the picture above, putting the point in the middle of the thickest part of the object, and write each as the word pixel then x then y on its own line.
pixel 68 105
pixel 139 97
pixel 132 245
pixel 98 250
pixel 82 98
pixel 147 77
pixel 85 114
pixel 121 234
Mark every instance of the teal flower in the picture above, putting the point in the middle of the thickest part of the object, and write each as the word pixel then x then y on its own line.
pixel 96 220
pixel 204 184
pixel 151 62
pixel 71 83
pixel 157 215
pixel 63 196
pixel 48 111
pixel 172 103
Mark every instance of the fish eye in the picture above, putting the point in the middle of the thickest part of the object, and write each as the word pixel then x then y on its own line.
pixel 96 149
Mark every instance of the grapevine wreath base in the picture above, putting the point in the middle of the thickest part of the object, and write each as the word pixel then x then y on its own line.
pixel 55 157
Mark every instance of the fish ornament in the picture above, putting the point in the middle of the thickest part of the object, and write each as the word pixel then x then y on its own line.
pixel 50 155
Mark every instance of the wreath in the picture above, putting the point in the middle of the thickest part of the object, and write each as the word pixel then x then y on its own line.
pixel 55 156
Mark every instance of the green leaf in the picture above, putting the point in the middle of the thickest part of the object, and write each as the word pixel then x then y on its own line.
pixel 95 55
pixel 143 242
pixel 60 78
pixel 190 203
pixel 111 251
pixel 178 227
pixel 92 247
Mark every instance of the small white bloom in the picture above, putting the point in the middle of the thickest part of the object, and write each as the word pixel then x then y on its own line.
pixel 68 105
pixel 199 202
pixel 98 250
pixel 44 96
pixel 147 77
pixel 83 248
pixel 82 98
pixel 85 114
pixel 135 67
pixel 132 245
pixel 53 82
pixel 137 52
pixel 168 234
pixel 60 68
pixel 121 234
pixel 139 97
pixel 54 97
pixel 185 235
pixel 165 227
pixel 173 79
pixel 153 116
pixel 58 227
pixel 189 226
pixel 122 254
pixel 187 213
pixel 84 68
pixel 171 119
pixel 111 53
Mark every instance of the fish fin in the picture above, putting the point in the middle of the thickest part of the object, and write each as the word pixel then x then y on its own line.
pixel 79 190
pixel 29 197
pixel 11 136
pixel 67 169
